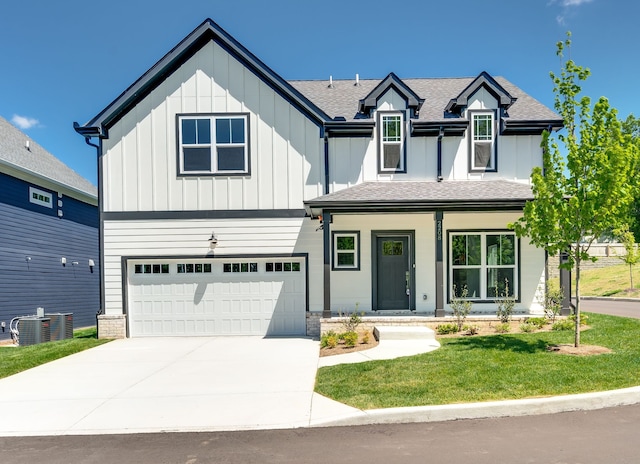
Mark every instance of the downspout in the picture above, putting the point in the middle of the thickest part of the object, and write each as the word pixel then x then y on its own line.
pixel 100 311
pixel 440 135
pixel 326 164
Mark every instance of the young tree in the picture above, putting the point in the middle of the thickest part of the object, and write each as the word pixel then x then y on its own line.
pixel 631 126
pixel 576 202
pixel 632 255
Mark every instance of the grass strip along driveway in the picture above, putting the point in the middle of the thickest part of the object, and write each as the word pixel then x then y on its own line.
pixel 495 367
pixel 20 358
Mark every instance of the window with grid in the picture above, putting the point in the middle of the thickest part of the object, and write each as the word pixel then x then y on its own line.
pixel 483 141
pixel 345 250
pixel 214 144
pixel 391 142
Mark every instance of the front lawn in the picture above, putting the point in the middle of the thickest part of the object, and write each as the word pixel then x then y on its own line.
pixel 611 281
pixel 495 367
pixel 20 358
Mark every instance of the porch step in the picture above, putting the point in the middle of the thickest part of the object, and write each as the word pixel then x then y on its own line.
pixel 391 332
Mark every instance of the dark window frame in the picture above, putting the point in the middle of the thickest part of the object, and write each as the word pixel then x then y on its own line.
pixel 403 143
pixel 334 251
pixel 494 143
pixel 214 171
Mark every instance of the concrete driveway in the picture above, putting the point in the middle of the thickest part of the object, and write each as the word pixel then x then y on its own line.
pixel 166 384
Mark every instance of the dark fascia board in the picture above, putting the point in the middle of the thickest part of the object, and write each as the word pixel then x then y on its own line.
pixel 484 79
pixel 349 129
pixel 536 127
pixel 204 33
pixel 435 128
pixel 391 81
pixel 314 209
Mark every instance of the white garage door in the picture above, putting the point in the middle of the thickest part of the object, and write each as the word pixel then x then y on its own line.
pixel 265 296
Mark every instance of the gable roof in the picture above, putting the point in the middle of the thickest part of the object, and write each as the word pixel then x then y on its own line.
pixel 38 162
pixel 391 82
pixel 205 32
pixel 484 80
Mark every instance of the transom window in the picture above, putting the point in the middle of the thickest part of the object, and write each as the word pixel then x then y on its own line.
pixel 190 268
pixel 482 142
pixel 483 262
pixel 391 142
pixel 151 268
pixel 345 250
pixel 214 144
pixel 282 267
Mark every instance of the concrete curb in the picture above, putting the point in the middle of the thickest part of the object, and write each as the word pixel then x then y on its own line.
pixel 610 298
pixel 492 409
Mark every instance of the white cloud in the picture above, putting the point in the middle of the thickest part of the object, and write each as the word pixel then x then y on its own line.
pixel 574 2
pixel 24 122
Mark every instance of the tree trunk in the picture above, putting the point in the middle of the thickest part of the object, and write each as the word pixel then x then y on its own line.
pixel 577 312
pixel 631 275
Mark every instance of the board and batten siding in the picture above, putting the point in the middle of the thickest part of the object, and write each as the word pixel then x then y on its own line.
pixel 188 238
pixel 140 156
pixel 33 240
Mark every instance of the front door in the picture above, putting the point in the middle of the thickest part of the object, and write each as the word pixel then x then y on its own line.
pixel 393 274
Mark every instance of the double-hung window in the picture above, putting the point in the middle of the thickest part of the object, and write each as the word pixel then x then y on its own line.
pixel 391 142
pixel 346 254
pixel 483 262
pixel 214 144
pixel 483 146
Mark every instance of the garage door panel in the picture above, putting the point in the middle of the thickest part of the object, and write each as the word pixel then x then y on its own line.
pixel 252 297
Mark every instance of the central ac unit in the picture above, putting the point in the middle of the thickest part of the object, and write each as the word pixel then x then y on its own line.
pixel 34 330
pixel 61 325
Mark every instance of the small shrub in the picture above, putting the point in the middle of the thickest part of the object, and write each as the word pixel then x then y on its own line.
pixel 566 324
pixel 471 329
pixel 350 338
pixel 461 306
pixel 583 318
pixel 538 322
pixel 325 337
pixel 365 337
pixel 504 303
pixel 443 329
pixel 526 327
pixel 353 320
pixel 552 302
pixel 503 327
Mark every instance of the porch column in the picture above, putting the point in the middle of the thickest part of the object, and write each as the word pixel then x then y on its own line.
pixel 439 267
pixel 565 286
pixel 326 233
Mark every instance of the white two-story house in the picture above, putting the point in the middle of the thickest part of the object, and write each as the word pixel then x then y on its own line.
pixel 233 201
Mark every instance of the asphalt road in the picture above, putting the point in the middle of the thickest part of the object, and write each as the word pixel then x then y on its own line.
pixel 594 437
pixel 612 308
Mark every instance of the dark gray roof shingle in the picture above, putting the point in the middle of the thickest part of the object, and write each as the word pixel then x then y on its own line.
pixel 37 160
pixel 393 192
pixel 342 98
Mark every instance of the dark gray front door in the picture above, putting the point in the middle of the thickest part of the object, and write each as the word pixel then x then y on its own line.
pixel 393 272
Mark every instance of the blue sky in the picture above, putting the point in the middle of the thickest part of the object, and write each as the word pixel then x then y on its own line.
pixel 64 61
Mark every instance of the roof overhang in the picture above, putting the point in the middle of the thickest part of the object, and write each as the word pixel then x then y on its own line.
pixel 530 127
pixel 435 128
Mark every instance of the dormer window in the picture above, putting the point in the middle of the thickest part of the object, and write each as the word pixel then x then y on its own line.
pixel 391 142
pixel 483 146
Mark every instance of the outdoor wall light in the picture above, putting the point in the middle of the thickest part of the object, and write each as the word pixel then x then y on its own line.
pixel 63 261
pixel 213 241
pixel 91 265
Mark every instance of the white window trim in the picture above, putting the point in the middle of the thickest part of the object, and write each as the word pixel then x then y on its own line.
pixel 400 142
pixel 33 190
pixel 213 144
pixel 483 266
pixel 492 142
pixel 355 251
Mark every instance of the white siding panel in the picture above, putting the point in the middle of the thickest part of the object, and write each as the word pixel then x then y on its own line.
pixel 286 152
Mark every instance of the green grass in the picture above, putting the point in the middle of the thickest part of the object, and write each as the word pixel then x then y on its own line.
pixel 609 281
pixel 21 358
pixel 496 367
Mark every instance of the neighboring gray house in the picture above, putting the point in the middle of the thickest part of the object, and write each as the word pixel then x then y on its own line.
pixel 48 234
pixel 236 202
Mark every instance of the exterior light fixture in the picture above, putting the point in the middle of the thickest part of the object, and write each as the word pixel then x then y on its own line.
pixel 63 261
pixel 213 241
pixel 91 265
